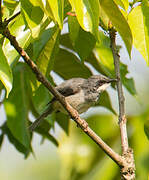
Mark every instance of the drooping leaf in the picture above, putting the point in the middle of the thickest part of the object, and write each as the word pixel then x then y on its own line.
pixel 20 147
pixel 63 120
pixel 123 3
pixel 57 10
pixel 44 132
pixel 67 65
pixel 45 49
pixel 1 139
pixel 127 82
pixel 65 41
pixel 103 52
pixel 87 13
pixel 146 129
pixel 16 108
pixel 82 41
pixel 118 21
pixel 140 30
pixel 104 100
pixel 5 72
pixel 23 37
pixel 33 15
pixel 11 5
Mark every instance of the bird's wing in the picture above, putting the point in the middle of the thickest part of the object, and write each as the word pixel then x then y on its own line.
pixel 70 87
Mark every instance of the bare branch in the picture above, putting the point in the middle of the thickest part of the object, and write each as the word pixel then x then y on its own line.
pixel 10 19
pixel 72 112
pixel 122 118
pixel 128 171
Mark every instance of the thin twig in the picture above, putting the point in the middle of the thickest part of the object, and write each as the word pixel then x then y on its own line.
pixel 122 118
pixel 72 112
pixel 10 19
pixel 128 171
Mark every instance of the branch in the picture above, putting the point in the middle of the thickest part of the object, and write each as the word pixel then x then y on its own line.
pixel 122 118
pixel 128 172
pixel 10 19
pixel 72 112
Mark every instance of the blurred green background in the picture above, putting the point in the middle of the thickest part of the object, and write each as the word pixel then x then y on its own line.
pixel 77 157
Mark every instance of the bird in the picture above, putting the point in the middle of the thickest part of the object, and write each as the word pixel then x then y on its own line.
pixel 80 93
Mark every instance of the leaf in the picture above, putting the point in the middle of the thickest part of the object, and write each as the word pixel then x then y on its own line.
pixel 65 41
pixel 57 10
pixel 45 134
pixel 63 120
pixel 45 49
pixel 104 101
pixel 146 129
pixel 118 21
pixel 87 13
pixel 127 82
pixel 140 30
pixel 14 141
pixel 16 108
pixel 103 52
pixel 82 41
pixel 30 9
pixel 11 5
pixel 67 65
pixel 5 72
pixel 1 140
pixel 17 28
pixel 123 3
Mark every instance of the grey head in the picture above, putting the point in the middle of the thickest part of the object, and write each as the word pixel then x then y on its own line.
pixel 95 85
pixel 99 82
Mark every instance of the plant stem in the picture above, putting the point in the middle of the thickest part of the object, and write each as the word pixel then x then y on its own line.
pixel 127 153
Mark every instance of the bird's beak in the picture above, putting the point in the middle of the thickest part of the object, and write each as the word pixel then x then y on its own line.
pixel 112 80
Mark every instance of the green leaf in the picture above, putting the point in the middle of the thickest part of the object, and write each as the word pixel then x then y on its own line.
pixel 16 107
pixel 103 52
pixel 118 21
pixel 57 10
pixel 33 15
pixel 82 41
pixel 87 12
pixel 123 3
pixel 140 30
pixel 63 120
pixel 11 5
pixel 146 129
pixel 1 140
pixel 44 132
pixel 127 82
pixel 67 65
pixel 21 148
pixel 65 41
pixel 104 100
pixel 45 49
pixel 5 72
pixel 23 37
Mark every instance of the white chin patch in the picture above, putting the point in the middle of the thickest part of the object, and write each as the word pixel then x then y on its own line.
pixel 103 87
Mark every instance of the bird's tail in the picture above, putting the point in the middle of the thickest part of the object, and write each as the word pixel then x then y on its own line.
pixel 39 120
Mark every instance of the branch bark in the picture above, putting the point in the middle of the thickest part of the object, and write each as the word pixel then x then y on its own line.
pixel 128 171
pixel 72 112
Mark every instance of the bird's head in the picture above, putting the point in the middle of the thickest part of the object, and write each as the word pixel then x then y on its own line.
pixel 99 82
